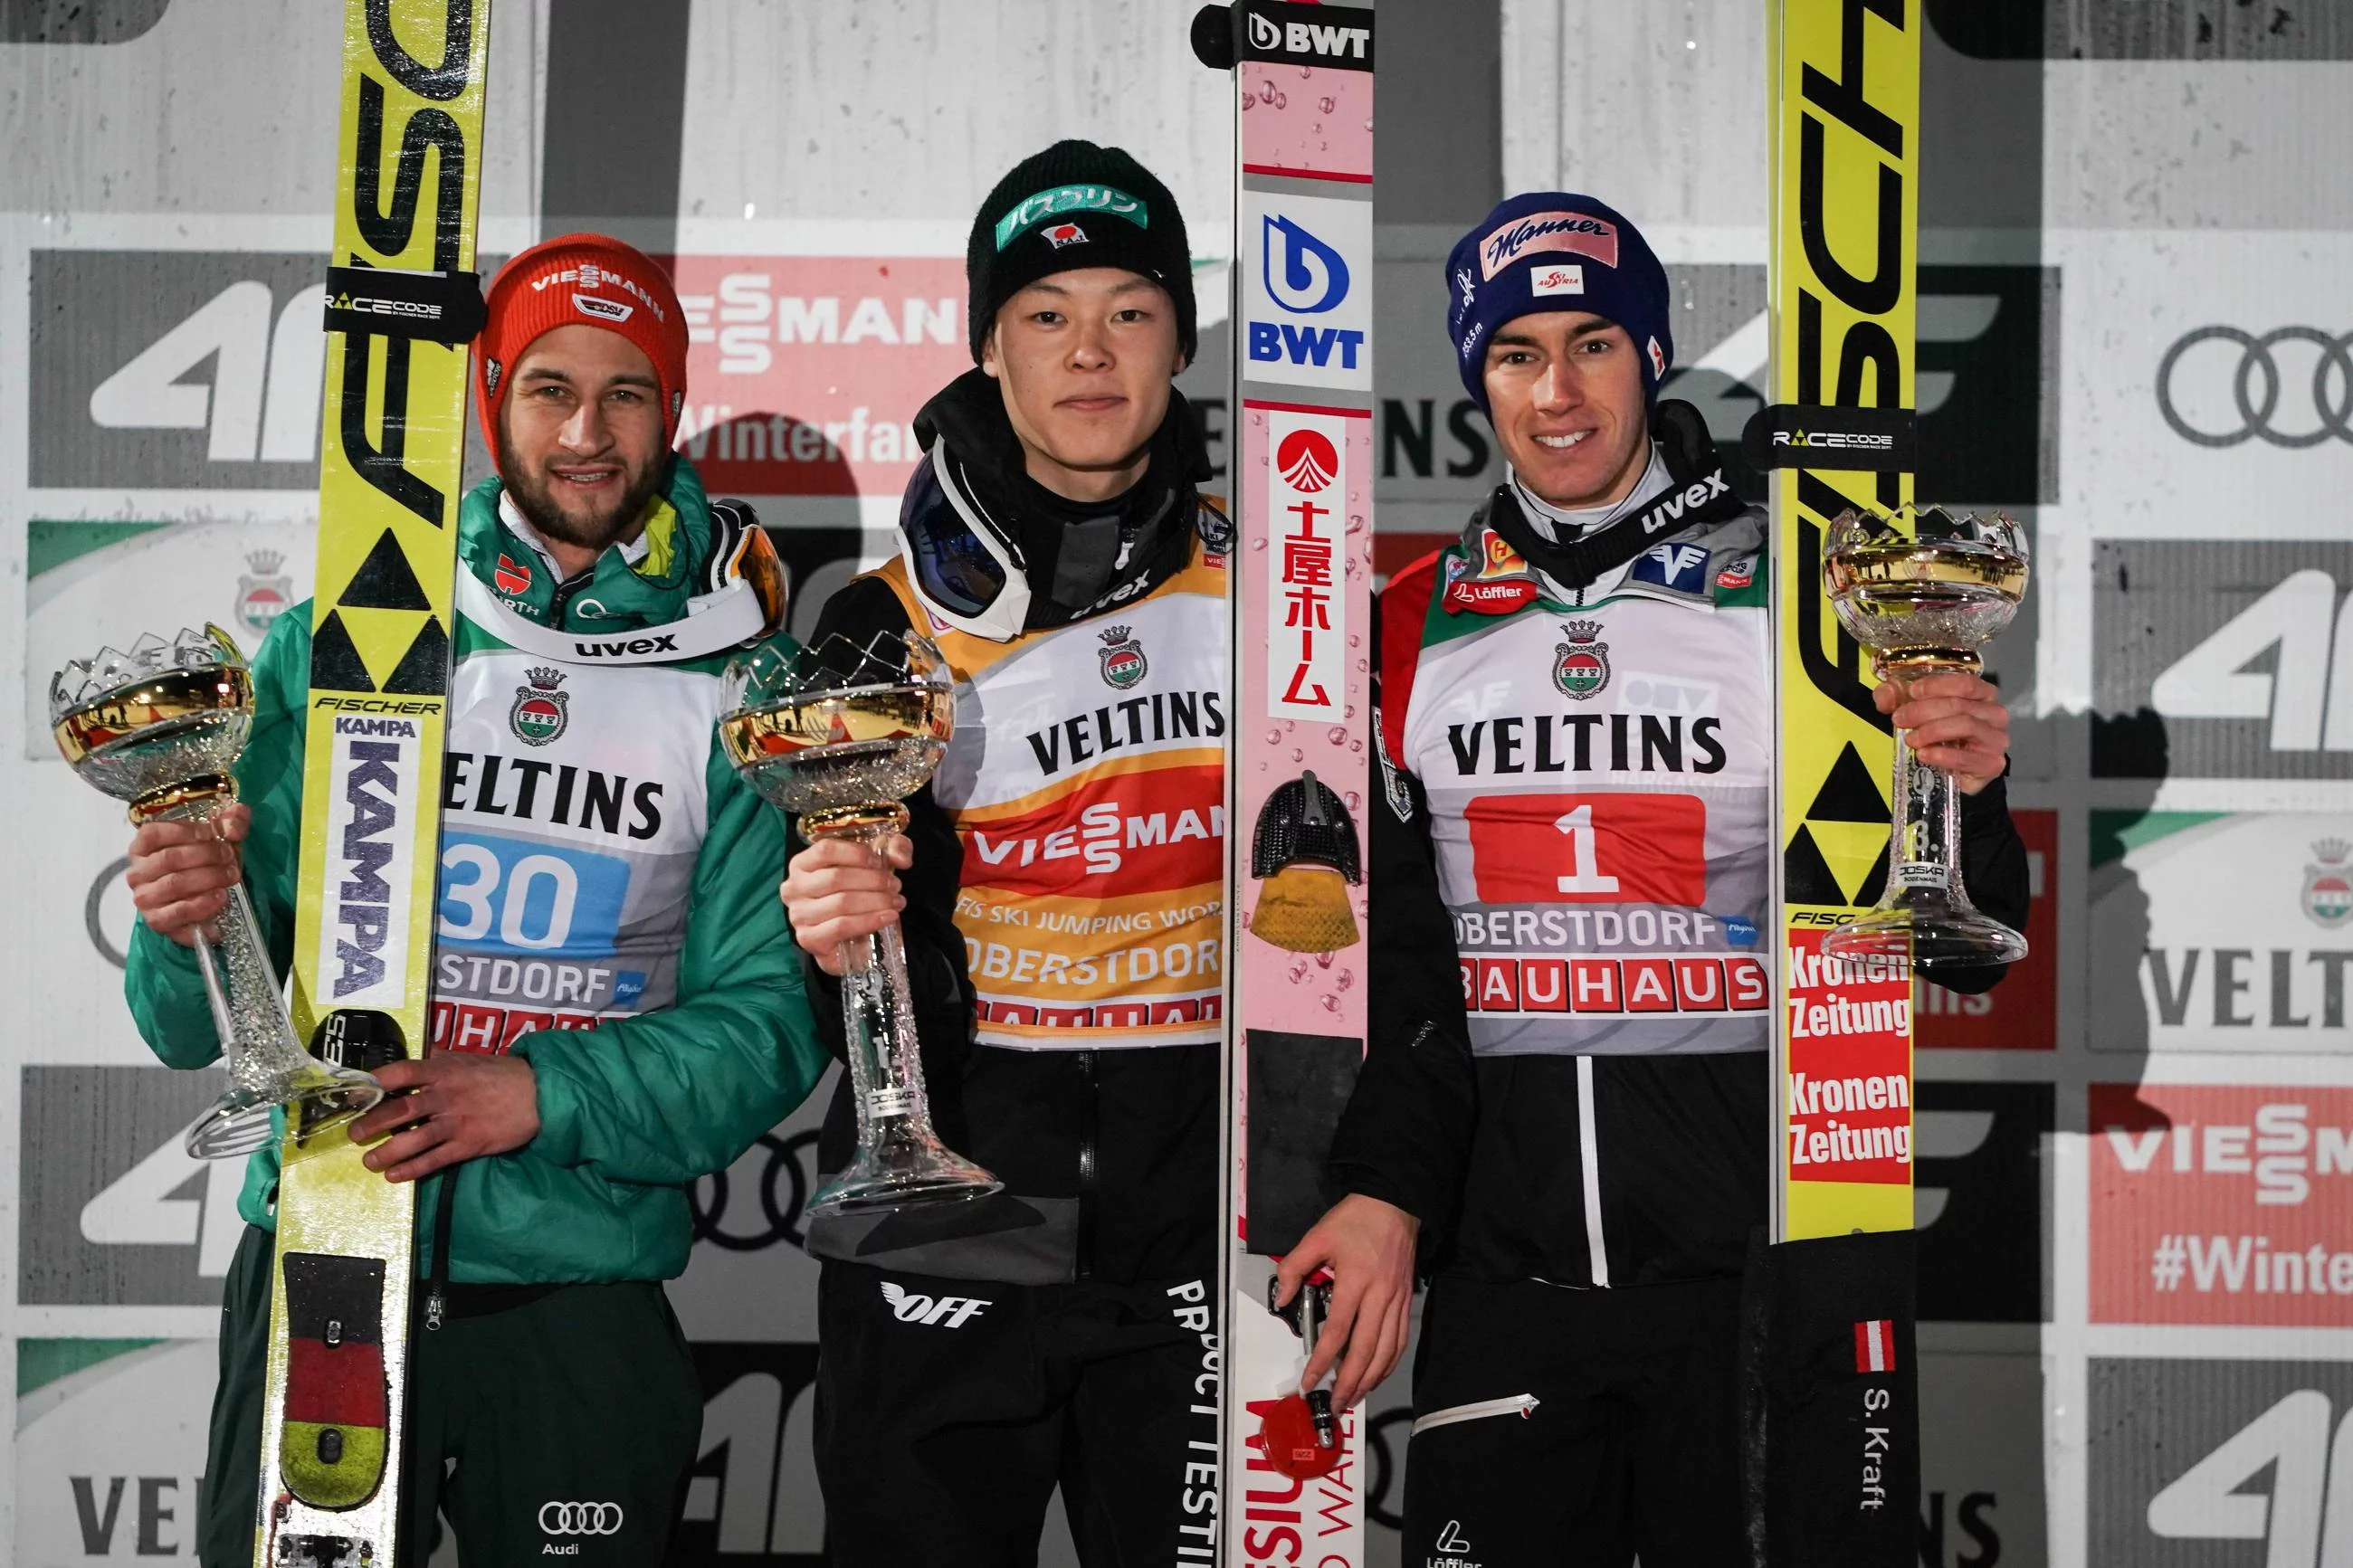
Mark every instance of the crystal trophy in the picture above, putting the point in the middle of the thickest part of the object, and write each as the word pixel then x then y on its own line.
pixel 160 727
pixel 839 736
pixel 1924 597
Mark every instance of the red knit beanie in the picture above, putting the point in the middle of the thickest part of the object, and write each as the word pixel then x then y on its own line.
pixel 580 279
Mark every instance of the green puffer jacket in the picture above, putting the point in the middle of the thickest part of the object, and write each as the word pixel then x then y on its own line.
pixel 705 1040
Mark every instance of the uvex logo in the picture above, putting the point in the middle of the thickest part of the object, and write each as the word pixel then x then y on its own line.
pixel 628 648
pixel 1689 499
pixel 940 1311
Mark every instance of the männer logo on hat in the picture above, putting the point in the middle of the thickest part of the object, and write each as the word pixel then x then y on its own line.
pixel 1540 232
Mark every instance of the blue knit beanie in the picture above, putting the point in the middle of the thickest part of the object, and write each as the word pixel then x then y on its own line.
pixel 1551 250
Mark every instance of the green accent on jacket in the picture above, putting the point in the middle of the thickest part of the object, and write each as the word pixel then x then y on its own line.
pixel 631 1113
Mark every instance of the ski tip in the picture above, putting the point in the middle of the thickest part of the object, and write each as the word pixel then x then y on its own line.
pixel 1213 37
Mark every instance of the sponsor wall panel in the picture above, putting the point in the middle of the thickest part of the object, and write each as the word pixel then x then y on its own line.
pixel 2021 1014
pixel 111 1448
pixel 1979 1200
pixel 114 1211
pixel 2201 386
pixel 2219 658
pixel 2215 1464
pixel 1980 1461
pixel 2220 931
pixel 2214 1205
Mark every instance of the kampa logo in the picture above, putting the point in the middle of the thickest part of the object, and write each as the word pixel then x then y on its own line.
pixel 360 917
pixel 944 1311
pixel 2299 629
pixel 2280 1151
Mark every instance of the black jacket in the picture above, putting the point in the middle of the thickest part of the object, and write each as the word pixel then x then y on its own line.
pixel 1489 1152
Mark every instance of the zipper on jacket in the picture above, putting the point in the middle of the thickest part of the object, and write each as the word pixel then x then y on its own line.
pixel 1520 1404
pixel 1090 1125
pixel 565 592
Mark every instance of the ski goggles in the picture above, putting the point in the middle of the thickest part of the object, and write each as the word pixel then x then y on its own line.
pixel 966 568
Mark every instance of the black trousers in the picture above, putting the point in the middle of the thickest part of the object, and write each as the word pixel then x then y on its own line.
pixel 585 1395
pixel 949 1409
pixel 1631 1446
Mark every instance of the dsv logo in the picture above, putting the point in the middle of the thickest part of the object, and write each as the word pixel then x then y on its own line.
pixel 580 1518
pixel 2259 385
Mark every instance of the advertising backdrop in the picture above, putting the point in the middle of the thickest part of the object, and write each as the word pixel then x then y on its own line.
pixel 2133 1159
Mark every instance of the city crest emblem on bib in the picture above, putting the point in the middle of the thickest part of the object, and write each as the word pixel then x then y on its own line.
pixel 267 593
pixel 1582 666
pixel 2329 887
pixel 1122 656
pixel 541 710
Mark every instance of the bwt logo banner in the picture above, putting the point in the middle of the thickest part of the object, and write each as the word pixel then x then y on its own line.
pixel 1307 290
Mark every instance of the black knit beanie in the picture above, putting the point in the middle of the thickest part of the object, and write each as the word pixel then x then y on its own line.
pixel 1076 204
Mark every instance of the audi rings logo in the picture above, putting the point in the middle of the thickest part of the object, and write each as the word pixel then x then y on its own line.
pixel 728 1217
pixel 2211 403
pixel 580 1518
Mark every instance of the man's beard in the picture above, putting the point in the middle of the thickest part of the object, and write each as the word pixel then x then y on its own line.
pixel 534 497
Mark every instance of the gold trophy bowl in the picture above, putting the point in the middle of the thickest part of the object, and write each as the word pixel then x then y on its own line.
pixel 839 735
pixel 161 726
pixel 1923 592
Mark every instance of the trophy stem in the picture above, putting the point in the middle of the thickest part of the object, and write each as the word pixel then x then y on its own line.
pixel 1926 914
pixel 900 1159
pixel 267 1066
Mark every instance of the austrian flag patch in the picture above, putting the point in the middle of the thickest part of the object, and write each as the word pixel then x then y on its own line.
pixel 1874 1345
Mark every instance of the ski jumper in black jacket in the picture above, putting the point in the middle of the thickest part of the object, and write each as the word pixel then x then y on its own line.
pixel 1062 940
pixel 1567 1073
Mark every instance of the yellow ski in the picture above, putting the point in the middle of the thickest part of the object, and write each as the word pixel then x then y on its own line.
pixel 402 305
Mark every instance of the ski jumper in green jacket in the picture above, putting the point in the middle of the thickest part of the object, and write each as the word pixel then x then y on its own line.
pixel 665 1025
